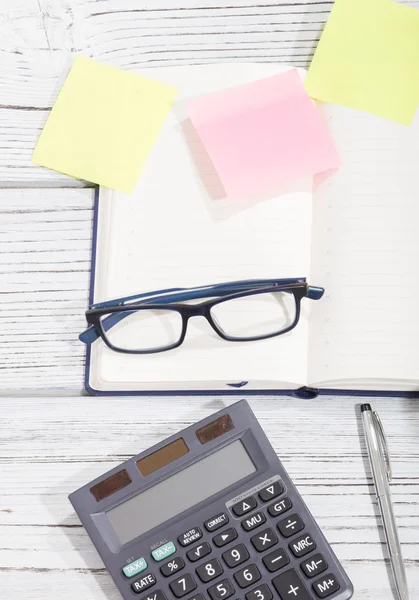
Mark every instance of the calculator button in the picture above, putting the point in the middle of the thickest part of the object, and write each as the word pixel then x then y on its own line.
pixel 222 590
pixel 183 585
pixel 262 592
pixel 253 521
pixel 247 576
pixel 225 537
pixel 271 491
pixel 163 551
pixel 210 570
pixel 189 537
pixel 264 540
pixel 287 527
pixel 216 522
pixel 135 567
pixel 290 587
pixel 314 566
pixel 276 560
pixel 157 595
pixel 302 545
pixel 279 507
pixel 197 597
pixel 198 552
pixel 144 583
pixel 244 506
pixel 326 586
pixel 236 556
pixel 172 566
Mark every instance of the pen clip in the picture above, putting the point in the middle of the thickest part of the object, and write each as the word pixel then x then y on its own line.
pixel 384 445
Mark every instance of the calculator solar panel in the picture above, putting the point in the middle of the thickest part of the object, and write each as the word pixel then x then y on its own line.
pixel 209 514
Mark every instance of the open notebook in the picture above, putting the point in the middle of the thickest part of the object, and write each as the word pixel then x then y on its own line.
pixel 355 235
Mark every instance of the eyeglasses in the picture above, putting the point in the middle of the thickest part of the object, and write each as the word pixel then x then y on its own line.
pixel 239 311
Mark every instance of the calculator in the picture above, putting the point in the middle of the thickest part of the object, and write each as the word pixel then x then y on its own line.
pixel 209 514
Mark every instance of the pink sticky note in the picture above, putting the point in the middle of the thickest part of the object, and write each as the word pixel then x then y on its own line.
pixel 263 134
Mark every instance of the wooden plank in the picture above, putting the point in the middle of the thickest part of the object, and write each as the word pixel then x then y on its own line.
pixel 52 446
pixel 45 246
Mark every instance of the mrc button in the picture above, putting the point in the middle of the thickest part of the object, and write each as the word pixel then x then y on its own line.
pixel 302 545
pixel 216 522
pixel 189 537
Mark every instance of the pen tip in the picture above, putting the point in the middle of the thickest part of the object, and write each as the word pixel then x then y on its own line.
pixel 365 407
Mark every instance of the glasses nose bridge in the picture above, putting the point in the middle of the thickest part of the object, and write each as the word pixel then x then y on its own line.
pixel 194 310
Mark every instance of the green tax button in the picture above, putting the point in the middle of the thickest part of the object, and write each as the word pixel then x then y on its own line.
pixel 135 567
pixel 163 551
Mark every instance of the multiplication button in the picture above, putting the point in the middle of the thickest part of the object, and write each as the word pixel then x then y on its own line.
pixel 264 540
pixel 288 527
pixel 271 491
pixel 244 506
pixel 326 586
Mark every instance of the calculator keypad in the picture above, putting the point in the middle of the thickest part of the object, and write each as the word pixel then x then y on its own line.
pixel 209 570
pixel 183 585
pixel 261 566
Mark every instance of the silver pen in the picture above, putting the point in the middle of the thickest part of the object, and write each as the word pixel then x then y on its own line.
pixel 381 471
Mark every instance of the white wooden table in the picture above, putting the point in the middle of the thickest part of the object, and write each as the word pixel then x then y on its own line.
pixel 52 439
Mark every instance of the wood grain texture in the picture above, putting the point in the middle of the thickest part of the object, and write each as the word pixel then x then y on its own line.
pixel 50 447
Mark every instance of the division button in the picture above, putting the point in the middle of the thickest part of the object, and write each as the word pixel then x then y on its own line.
pixel 314 566
pixel 262 592
pixel 254 521
pixel 164 551
pixel 135 567
pixel 236 556
pixel 271 491
pixel 276 560
pixel 216 522
pixel 290 587
pixel 144 583
pixel 244 506
pixel 183 585
pixel 247 576
pixel 210 570
pixel 225 537
pixel 189 537
pixel 156 595
pixel 302 545
pixel 326 586
pixel 291 525
pixel 172 566
pixel 222 590
pixel 279 507
pixel 198 552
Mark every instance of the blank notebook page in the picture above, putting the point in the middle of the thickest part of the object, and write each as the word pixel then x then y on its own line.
pixel 365 253
pixel 179 230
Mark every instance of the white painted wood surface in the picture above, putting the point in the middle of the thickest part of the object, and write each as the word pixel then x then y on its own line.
pixel 49 447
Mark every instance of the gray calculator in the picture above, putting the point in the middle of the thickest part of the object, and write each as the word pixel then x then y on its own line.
pixel 209 514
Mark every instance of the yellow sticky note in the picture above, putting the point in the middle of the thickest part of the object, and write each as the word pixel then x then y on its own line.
pixel 103 124
pixel 368 59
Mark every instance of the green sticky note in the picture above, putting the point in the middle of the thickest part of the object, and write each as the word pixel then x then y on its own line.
pixel 368 59
pixel 104 124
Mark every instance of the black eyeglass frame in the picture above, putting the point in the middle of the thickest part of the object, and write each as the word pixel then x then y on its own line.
pixel 186 311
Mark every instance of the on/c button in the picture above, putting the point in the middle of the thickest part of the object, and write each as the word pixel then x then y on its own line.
pixel 163 551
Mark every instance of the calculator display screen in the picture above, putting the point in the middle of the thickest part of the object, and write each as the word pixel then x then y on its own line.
pixel 181 491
